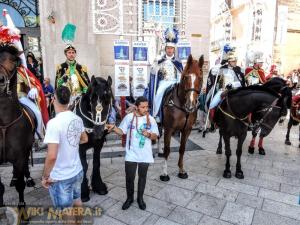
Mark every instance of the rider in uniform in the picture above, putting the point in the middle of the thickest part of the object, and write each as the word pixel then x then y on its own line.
pixel 164 73
pixel 72 74
pixel 230 76
pixel 255 74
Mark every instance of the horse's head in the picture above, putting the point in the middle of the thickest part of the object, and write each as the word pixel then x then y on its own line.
pixel 286 98
pixel 101 100
pixel 191 82
pixel 280 86
pixel 9 61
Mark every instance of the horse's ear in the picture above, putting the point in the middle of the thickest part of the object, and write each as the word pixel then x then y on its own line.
pixel 190 60
pixel 109 81
pixel 93 80
pixel 201 61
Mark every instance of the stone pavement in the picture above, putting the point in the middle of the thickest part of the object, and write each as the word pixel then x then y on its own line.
pixel 269 194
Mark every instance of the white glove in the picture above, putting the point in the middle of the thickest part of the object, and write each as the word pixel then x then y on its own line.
pixel 33 93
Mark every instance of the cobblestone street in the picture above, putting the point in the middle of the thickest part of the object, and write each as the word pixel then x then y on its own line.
pixel 269 194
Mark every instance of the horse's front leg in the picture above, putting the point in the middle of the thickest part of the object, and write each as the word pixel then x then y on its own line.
pixel 287 137
pixel 238 172
pixel 97 184
pixel 85 191
pixel 167 141
pixel 252 143
pixel 184 136
pixel 227 172
pixel 20 187
pixel 2 189
pixel 261 149
pixel 219 149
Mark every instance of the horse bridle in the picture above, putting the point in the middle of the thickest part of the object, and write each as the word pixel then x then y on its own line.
pixel 98 118
pixel 269 109
pixel 7 80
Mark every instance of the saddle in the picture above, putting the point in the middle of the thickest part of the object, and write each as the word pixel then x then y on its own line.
pixel 29 114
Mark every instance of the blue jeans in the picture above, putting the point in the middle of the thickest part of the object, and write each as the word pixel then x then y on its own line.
pixel 64 192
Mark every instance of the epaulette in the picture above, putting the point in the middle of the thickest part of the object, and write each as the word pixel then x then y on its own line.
pixel 58 67
pixel 84 68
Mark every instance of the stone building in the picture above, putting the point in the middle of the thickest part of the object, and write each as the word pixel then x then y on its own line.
pixel 99 23
pixel 257 25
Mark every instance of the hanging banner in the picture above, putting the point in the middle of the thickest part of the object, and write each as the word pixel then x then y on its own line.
pixel 121 56
pixel 139 79
pixel 140 51
pixel 121 50
pixel 122 87
pixel 183 50
pixel 140 67
pixel 282 24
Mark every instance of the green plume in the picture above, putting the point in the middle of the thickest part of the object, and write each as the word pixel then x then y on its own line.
pixel 68 34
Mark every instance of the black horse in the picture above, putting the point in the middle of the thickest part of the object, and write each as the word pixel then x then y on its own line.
pixel 232 117
pixel 265 121
pixel 94 108
pixel 17 136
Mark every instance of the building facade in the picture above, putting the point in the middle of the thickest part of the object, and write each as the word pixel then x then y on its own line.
pixel 100 22
pixel 270 27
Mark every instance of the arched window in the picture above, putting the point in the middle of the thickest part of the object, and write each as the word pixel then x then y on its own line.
pixel 24 13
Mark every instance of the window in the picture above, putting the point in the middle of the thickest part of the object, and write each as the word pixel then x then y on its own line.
pixel 166 12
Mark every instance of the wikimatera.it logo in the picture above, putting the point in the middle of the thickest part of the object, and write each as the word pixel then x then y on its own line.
pixel 11 215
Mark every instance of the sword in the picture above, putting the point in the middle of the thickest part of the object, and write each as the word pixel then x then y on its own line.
pixel 212 96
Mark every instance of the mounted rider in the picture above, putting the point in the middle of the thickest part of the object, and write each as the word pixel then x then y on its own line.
pixel 229 76
pixel 164 73
pixel 255 74
pixel 72 74
pixel 29 89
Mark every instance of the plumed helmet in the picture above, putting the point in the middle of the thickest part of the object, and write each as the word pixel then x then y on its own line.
pixel 171 37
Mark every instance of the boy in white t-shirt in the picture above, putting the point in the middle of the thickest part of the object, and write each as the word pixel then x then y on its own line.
pixel 63 170
pixel 140 129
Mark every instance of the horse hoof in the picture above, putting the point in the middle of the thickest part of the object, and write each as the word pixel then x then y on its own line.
pixel 261 151
pixel 227 174
pixel 250 150
pixel 183 175
pixel 164 178
pixel 13 182
pixel 239 175
pixel 30 182
pixel 100 192
pixel 287 142
pixel 219 151
pixel 85 198
pixel 160 155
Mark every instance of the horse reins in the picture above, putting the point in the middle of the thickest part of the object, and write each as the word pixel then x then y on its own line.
pixel 171 103
pixel 7 80
pixel 258 124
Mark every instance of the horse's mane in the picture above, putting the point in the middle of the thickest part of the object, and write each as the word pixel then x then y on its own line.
pixel 252 88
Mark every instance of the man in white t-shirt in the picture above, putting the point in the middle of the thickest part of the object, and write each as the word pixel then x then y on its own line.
pixel 140 129
pixel 63 170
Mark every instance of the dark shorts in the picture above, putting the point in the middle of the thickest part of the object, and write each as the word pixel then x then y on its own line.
pixel 63 193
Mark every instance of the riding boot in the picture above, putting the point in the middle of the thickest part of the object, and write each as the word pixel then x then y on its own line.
pixel 142 171
pixel 130 169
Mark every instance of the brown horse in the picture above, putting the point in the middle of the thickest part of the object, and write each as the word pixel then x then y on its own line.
pixel 180 111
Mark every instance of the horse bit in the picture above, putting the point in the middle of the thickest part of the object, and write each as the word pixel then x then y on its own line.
pixel 98 118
